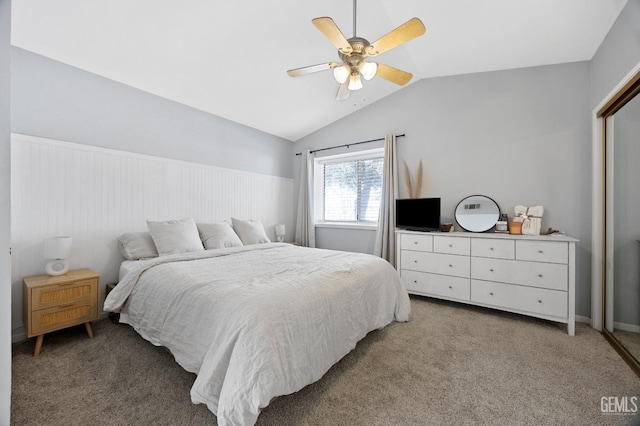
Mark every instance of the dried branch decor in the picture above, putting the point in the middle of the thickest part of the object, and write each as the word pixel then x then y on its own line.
pixel 414 191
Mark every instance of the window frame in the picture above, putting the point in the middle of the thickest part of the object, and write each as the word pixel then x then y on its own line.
pixel 318 186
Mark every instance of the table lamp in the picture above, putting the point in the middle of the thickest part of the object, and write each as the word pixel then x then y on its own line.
pixel 280 231
pixel 57 250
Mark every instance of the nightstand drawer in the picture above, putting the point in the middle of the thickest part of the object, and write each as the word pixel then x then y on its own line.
pixel 63 293
pixel 62 316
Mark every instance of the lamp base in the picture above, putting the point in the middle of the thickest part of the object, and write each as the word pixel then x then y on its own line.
pixel 57 267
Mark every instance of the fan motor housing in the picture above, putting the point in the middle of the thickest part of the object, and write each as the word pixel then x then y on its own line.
pixel 358 44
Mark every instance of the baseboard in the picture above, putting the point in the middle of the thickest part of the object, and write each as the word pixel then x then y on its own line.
pixel 18 335
pixel 626 327
pixel 585 320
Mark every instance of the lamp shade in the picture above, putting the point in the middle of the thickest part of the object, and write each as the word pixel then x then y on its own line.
pixel 280 229
pixel 355 83
pixel 57 247
pixel 341 73
pixel 368 70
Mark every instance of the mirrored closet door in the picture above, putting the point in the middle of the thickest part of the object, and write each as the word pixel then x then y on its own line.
pixel 621 138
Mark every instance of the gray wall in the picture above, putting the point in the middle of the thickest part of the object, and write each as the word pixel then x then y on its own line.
pixel 626 196
pixel 355 240
pixel 5 212
pixel 519 136
pixel 618 53
pixel 54 100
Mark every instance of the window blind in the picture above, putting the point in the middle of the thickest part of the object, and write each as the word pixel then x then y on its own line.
pixel 352 189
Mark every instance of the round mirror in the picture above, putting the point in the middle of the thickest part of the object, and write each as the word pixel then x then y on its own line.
pixel 477 213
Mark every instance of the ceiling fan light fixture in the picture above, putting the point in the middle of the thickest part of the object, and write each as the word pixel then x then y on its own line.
pixel 368 70
pixel 354 51
pixel 355 83
pixel 342 73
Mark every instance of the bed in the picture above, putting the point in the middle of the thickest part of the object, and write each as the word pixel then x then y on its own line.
pixel 257 321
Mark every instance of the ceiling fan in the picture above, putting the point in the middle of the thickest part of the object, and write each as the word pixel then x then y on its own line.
pixel 353 53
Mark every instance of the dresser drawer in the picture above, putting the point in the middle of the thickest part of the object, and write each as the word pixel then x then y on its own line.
pixel 62 316
pixel 514 297
pixel 543 251
pixel 534 274
pixel 486 247
pixel 416 242
pixel 451 245
pixel 436 285
pixel 64 292
pixel 436 263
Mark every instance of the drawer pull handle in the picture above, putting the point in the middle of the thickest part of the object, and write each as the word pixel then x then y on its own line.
pixel 415 281
pixel 539 275
pixel 540 251
pixel 415 261
pixel 450 287
pixel 491 293
pixel 66 305
pixel 450 266
pixel 415 242
pixel 450 245
pixel 491 270
pixel 539 301
pixel 67 283
pixel 491 248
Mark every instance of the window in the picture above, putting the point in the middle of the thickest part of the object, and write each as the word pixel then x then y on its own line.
pixel 348 188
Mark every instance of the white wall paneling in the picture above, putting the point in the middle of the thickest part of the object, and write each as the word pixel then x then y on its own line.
pixel 95 194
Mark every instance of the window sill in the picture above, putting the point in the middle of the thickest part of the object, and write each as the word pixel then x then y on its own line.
pixel 338 225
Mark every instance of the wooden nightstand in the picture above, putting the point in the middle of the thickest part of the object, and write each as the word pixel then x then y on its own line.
pixel 54 303
pixel 108 288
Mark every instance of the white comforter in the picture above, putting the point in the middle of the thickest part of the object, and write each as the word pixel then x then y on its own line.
pixel 260 321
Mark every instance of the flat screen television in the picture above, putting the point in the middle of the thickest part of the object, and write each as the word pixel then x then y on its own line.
pixel 418 214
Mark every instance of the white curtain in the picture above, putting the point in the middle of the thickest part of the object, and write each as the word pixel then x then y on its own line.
pixel 305 226
pixel 385 245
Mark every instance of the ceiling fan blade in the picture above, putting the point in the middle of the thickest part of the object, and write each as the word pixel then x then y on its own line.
pixel 333 33
pixel 393 75
pixel 311 69
pixel 343 91
pixel 408 31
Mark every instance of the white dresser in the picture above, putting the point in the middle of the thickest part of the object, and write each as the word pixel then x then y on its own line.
pixel 529 275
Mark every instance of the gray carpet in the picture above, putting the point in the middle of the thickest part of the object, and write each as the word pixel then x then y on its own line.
pixel 451 365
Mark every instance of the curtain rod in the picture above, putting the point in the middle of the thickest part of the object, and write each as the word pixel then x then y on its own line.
pixel 347 145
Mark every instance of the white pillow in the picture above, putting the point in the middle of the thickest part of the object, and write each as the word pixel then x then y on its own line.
pixel 218 235
pixel 250 231
pixel 175 236
pixel 137 245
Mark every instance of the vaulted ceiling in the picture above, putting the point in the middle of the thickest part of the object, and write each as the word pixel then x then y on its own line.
pixel 230 58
